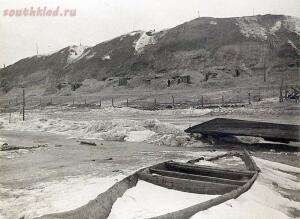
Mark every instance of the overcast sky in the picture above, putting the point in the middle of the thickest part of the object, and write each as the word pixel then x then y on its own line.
pixel 100 20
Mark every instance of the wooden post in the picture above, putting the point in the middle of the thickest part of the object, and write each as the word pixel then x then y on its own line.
pixel 280 90
pixel 73 101
pixel 84 101
pixel 112 102
pixel 9 102
pixel 154 101
pixel 222 100
pixel 202 101
pixel 99 102
pixel 23 104
pixel 249 97
pixel 280 95
pixel 127 102
pixel 173 101
pixel 286 92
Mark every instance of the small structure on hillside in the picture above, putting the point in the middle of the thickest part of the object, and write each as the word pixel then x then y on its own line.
pixel 123 81
pixel 185 79
pixel 169 83
pixel 147 82
pixel 179 79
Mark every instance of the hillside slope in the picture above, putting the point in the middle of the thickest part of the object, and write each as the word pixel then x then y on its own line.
pixel 207 49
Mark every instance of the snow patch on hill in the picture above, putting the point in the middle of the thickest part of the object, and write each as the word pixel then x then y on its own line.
pixel 76 53
pixel 106 57
pixel 145 39
pixel 276 27
pixel 90 56
pixel 133 33
pixel 250 28
pixel 293 45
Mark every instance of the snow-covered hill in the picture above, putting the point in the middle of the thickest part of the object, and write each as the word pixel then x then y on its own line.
pixel 204 48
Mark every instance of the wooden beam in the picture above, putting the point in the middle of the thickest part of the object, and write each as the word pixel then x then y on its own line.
pixel 187 185
pixel 209 171
pixel 197 177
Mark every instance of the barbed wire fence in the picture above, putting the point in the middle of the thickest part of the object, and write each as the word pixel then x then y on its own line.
pixel 230 98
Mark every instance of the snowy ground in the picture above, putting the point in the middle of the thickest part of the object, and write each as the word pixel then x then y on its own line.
pixel 263 200
pixel 163 127
pixel 38 181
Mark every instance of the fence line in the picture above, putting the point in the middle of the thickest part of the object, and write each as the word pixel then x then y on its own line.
pixel 234 98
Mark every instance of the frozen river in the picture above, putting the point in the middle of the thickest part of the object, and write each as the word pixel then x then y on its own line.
pixel 66 174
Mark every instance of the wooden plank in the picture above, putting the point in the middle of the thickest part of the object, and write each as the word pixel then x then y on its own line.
pixel 269 131
pixel 187 185
pixel 209 171
pixel 197 177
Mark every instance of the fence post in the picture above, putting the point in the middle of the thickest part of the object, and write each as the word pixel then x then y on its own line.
pixel 173 101
pixel 73 101
pixel 223 100
pixel 99 102
pixel 127 102
pixel 280 95
pixel 202 101
pixel 23 104
pixel 286 91
pixel 249 97
pixel 112 102
pixel 9 102
pixel 84 101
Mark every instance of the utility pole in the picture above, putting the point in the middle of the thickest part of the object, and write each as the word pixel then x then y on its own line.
pixel 23 104
pixel 37 49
